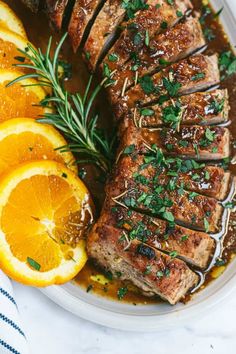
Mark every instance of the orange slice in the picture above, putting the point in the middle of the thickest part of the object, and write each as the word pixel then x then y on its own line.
pixel 10 42
pixel 18 100
pixel 9 20
pixel 24 139
pixel 44 211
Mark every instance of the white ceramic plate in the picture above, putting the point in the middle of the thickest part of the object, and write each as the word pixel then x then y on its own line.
pixel 150 317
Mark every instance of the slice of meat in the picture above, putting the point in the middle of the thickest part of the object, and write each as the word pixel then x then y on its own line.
pixel 163 49
pixel 194 247
pixel 203 108
pixel 103 31
pixel 196 73
pixel 197 142
pixel 84 12
pixel 149 269
pixel 157 170
pixel 56 10
pixel 189 209
pixel 157 17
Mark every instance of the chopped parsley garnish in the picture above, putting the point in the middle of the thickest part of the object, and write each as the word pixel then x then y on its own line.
pixel 172 87
pixel 216 106
pixel 89 288
pixel 146 41
pixel 179 13
pixel 218 13
pixel 20 59
pixel 173 254
pixel 172 115
pixel 122 292
pixel 206 11
pixel 220 262
pixel 148 269
pixel 33 264
pixel 164 25
pixel 137 40
pixel 160 274
pixel 113 57
pixel 132 6
pixel 129 150
pixel 167 215
pixel 146 112
pixel 209 34
pixel 184 238
pixel 227 63
pixel 210 135
pixel 198 76
pixel 147 85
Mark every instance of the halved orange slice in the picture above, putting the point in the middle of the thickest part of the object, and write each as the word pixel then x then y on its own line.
pixel 24 139
pixel 9 20
pixel 44 212
pixel 10 42
pixel 19 100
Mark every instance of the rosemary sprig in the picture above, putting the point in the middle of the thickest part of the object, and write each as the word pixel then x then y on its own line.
pixel 72 113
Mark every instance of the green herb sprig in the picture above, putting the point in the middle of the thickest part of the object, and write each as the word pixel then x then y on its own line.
pixel 72 114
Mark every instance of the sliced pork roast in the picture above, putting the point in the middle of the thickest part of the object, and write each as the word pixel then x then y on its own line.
pixel 154 272
pixel 103 30
pixel 202 108
pixel 196 73
pixel 165 196
pixel 56 11
pixel 176 43
pixel 84 12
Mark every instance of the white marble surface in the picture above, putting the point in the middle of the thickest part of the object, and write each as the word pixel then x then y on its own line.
pixel 52 330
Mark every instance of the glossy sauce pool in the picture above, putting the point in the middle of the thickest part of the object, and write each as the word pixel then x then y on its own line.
pixel 38 31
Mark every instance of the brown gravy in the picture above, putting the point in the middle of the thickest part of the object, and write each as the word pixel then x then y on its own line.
pixel 39 32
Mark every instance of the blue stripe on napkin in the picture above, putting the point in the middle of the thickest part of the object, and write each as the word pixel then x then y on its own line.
pixel 11 323
pixel 5 293
pixel 8 347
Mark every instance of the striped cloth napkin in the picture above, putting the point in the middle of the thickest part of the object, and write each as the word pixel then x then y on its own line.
pixel 12 337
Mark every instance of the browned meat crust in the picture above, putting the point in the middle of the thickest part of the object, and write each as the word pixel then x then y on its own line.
pixel 153 171
pixel 102 30
pixel 151 270
pixel 194 247
pixel 176 204
pixel 83 13
pixel 196 73
pixel 157 17
pixel 56 10
pixel 197 142
pixel 163 49
pixel 203 108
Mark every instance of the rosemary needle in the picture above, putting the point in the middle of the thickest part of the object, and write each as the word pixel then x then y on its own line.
pixel 72 113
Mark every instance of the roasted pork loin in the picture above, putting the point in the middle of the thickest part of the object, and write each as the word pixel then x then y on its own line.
pixel 166 195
